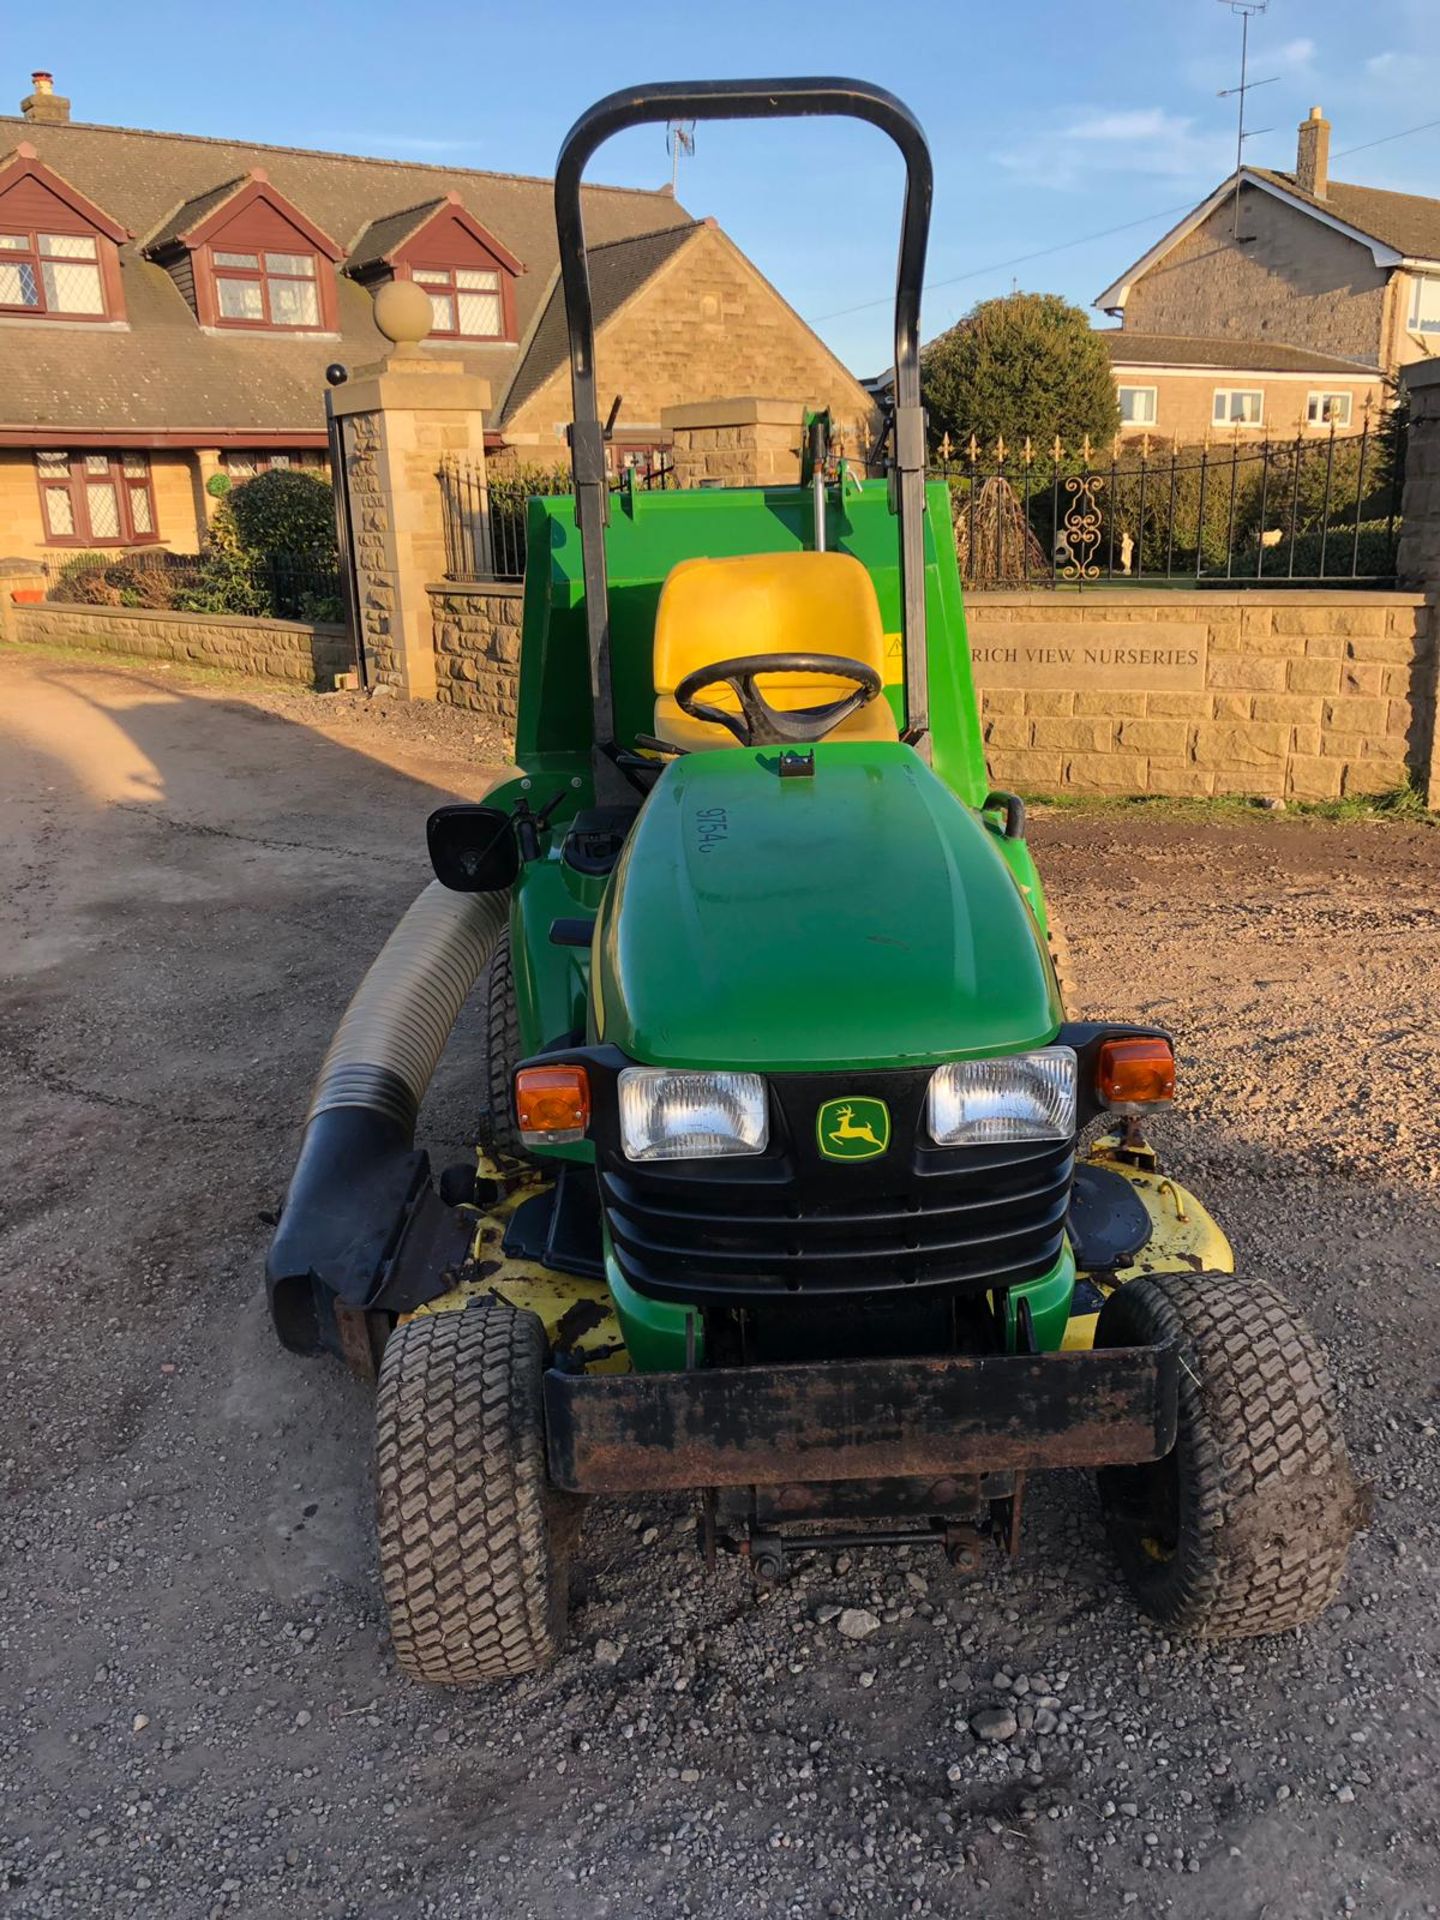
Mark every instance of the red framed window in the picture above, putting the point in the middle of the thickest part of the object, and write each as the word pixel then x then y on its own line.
pixel 266 289
pixel 51 273
pixel 467 302
pixel 243 465
pixel 96 499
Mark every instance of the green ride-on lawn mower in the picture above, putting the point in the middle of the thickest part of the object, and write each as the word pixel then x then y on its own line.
pixel 779 1196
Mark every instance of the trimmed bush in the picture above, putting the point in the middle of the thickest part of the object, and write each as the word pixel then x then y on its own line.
pixel 283 511
pixel 1374 554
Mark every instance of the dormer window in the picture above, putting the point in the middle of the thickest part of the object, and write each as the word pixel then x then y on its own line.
pixel 51 273
pixel 466 302
pixel 468 273
pixel 244 255
pixel 59 252
pixel 266 289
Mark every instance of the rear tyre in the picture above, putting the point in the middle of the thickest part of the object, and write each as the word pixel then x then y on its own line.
pixel 1244 1526
pixel 497 1132
pixel 474 1547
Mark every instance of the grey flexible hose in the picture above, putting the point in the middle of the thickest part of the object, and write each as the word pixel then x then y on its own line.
pixel 390 1040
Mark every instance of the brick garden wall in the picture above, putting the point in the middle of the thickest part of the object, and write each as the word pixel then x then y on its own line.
pixel 477 645
pixel 291 650
pixel 1302 695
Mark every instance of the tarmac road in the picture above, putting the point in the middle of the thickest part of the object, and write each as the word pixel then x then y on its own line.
pixel 198 1711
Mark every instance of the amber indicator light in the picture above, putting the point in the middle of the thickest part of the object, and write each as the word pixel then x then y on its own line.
pixel 1135 1072
pixel 552 1104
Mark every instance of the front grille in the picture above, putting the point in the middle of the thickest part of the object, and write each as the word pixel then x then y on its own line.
pixel 791 1223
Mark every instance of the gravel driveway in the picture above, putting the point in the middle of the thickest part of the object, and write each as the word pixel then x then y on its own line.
pixel 198 1713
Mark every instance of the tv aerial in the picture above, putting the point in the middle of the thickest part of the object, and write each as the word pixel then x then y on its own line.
pixel 1246 9
pixel 679 139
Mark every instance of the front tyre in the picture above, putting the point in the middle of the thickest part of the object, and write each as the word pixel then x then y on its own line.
pixel 498 1132
pixel 473 1544
pixel 1243 1528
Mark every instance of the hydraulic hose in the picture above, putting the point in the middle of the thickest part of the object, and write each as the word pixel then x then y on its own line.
pixel 358 1180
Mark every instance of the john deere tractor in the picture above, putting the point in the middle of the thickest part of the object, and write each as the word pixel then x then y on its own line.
pixel 779 1197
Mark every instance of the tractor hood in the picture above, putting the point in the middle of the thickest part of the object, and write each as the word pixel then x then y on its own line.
pixel 860 916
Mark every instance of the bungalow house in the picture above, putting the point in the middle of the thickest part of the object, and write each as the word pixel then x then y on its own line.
pixel 169 303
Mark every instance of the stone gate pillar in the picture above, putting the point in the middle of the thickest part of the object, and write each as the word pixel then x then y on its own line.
pixel 1417 563
pixel 742 442
pixel 398 418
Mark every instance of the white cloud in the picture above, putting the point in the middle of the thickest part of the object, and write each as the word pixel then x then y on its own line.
pixel 1145 140
pixel 1140 123
pixel 1380 64
pixel 1294 56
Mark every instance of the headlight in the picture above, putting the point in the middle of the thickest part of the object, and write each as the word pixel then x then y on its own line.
pixel 1019 1096
pixel 666 1115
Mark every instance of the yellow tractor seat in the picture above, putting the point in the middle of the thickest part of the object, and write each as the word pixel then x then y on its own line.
pixel 757 603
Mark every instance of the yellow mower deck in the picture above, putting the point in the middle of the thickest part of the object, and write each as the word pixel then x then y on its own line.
pixel 578 1314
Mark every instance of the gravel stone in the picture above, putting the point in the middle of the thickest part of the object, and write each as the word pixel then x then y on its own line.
pixel 192 879
pixel 994 1723
pixel 857 1624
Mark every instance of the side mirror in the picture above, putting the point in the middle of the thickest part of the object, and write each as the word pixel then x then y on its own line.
pixel 473 849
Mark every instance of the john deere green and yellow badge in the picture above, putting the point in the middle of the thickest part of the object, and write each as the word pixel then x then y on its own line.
pixel 853 1127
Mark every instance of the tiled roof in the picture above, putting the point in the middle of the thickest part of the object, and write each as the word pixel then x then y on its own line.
pixel 1129 347
pixel 381 238
pixel 190 213
pixel 1408 222
pixel 618 268
pixel 165 374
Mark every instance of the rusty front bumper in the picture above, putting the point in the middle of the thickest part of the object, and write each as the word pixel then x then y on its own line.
pixel 859 1419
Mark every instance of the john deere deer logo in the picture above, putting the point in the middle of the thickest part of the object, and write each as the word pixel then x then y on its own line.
pixel 855 1128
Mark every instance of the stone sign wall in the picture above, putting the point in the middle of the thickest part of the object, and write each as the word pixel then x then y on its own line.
pixel 1303 694
pixel 1098 653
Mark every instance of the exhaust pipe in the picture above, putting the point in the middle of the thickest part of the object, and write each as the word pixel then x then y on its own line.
pixel 360 1198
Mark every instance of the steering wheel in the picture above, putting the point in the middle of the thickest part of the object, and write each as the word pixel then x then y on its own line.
pixel 758 724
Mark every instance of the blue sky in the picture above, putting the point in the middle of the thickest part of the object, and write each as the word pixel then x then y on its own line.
pixel 1049 122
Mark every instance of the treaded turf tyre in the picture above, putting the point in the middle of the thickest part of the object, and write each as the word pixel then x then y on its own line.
pixel 474 1548
pixel 1059 948
pixel 497 1131
pixel 1244 1526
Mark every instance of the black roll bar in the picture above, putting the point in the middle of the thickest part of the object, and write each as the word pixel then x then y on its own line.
pixel 747 100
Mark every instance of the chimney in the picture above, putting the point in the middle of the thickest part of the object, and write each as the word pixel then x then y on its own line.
pixel 1312 155
pixel 44 105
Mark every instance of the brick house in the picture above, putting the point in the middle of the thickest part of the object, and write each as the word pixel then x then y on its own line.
pixel 1280 304
pixel 168 305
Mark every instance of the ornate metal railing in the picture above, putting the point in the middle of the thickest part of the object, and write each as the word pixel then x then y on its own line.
pixel 484 509
pixel 1323 506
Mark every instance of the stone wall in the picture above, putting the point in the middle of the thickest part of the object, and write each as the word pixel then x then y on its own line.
pixel 1299 695
pixel 275 649
pixel 706 325
pixel 1294 279
pixel 1308 695
pixel 477 645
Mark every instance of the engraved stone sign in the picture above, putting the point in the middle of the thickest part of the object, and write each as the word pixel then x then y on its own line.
pixel 1131 657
